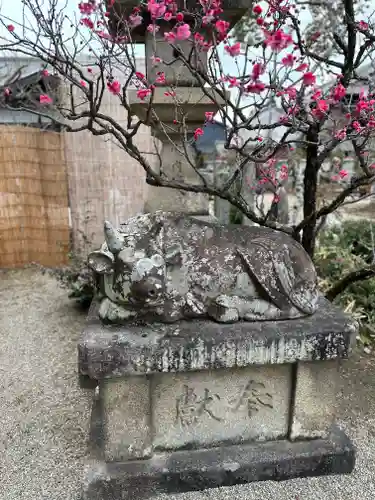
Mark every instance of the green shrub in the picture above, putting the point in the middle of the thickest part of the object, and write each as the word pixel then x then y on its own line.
pixel 235 216
pixel 342 250
pixel 78 279
pixel 348 232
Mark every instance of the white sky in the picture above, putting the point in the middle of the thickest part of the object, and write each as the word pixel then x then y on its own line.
pixel 11 11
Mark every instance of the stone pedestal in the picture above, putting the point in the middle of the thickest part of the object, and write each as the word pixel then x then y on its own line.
pixel 222 172
pixel 348 164
pixel 196 404
pixel 249 182
pixel 176 166
pixel 178 108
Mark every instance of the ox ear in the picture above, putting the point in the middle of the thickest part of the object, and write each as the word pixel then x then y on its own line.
pixel 113 238
pixel 100 262
pixel 155 237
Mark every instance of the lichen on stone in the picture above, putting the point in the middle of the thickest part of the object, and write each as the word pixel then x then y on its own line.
pixel 167 266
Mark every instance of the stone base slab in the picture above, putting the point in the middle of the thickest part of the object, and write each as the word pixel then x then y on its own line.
pixel 189 470
pixel 107 351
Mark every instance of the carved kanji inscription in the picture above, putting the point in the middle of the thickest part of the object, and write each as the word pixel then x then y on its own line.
pixel 253 397
pixel 205 408
pixel 192 406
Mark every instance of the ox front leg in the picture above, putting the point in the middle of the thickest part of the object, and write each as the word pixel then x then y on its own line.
pixel 114 313
pixel 229 309
pixel 224 309
pixel 261 310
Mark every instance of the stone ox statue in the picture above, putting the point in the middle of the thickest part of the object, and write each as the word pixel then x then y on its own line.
pixel 167 266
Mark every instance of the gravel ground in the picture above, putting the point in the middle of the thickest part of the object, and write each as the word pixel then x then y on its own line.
pixel 45 416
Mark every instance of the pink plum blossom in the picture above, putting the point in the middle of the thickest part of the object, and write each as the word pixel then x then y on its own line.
pixel 143 93
pixel 183 32
pixel 278 40
pixel 156 9
pixel 45 99
pixel 198 132
pixel 135 20
pixel 114 87
pixel 233 50
pixel 309 79
pixel 169 37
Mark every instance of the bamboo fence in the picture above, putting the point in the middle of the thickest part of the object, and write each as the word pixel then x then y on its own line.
pixel 34 208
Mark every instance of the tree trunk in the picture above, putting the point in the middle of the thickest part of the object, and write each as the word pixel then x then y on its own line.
pixel 310 185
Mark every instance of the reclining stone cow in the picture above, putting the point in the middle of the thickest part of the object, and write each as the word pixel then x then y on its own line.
pixel 167 267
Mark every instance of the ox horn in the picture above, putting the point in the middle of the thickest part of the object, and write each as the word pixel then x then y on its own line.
pixel 113 238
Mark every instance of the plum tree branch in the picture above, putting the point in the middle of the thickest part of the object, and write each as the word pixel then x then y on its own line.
pixel 349 279
pixel 337 202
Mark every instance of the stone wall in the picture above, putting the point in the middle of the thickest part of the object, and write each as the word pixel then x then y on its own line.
pixel 104 181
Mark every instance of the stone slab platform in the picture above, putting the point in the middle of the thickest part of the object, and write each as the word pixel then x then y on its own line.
pixel 107 351
pixel 181 471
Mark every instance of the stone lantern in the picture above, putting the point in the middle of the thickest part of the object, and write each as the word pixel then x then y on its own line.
pixel 211 386
pixel 175 117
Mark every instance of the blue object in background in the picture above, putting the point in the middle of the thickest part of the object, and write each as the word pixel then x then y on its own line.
pixel 214 132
